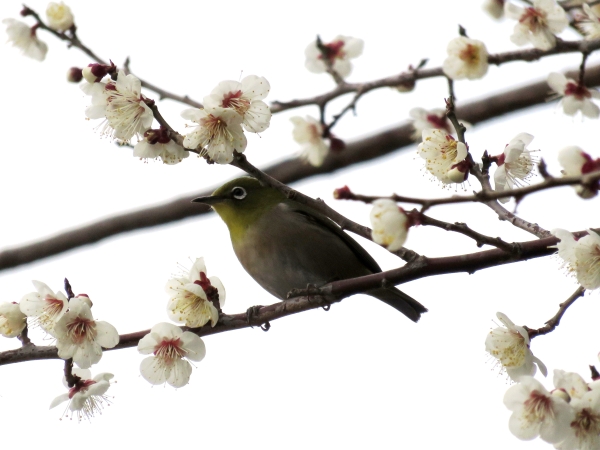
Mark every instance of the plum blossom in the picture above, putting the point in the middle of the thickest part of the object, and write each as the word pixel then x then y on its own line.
pixel 59 16
pixel 88 396
pixel 576 162
pixel 12 320
pixel 510 345
pixel 45 306
pixel 245 98
pixel 308 132
pixel 158 144
pixel 169 346
pixel 515 164
pixel 590 26
pixel 467 58
pixel 584 430
pixel 389 224
pixel 24 37
pixel 575 96
pixel 193 296
pixel 338 52
pixel 537 23
pixel 80 337
pixel 218 134
pixel 536 412
pixel 582 256
pixel 436 118
pixel 121 104
pixel 445 157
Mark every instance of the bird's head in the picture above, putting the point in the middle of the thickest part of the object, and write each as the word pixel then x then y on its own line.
pixel 242 201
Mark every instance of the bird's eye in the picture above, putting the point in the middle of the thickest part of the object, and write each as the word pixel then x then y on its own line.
pixel 238 193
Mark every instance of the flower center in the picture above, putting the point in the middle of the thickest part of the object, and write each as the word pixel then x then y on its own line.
pixel 333 50
pixel 538 406
pixel 534 19
pixel 81 329
pixel 577 90
pixel 169 350
pixel 586 423
pixel 470 54
pixel 235 101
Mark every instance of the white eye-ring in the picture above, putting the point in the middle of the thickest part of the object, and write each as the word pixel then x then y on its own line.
pixel 238 193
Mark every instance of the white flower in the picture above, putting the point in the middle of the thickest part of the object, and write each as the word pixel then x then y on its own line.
pixel 192 297
pixel 576 97
pixel 44 305
pixel 87 397
pixel 158 144
pixel 536 412
pixel 308 132
pixel 59 16
pixel 25 39
pixel 338 52
pixel 245 98
pixel 444 156
pixel 515 164
pixel 80 337
pixel 584 431
pixel 494 8
pixel 169 345
pixel 123 106
pixel 390 224
pixel 570 383
pixel 538 23
pixel 582 256
pixel 576 162
pixel 218 134
pixel 467 58
pixel 590 27
pixel 12 320
pixel 510 345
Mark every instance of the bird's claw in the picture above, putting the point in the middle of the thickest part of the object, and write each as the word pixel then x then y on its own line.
pixel 251 313
pixel 265 326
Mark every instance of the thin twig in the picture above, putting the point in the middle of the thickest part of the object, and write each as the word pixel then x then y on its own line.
pixel 555 321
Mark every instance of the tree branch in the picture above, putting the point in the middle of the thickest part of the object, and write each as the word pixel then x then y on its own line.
pixel 360 150
pixel 328 294
pixel 555 321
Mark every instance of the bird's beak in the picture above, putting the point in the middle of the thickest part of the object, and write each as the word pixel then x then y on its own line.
pixel 210 200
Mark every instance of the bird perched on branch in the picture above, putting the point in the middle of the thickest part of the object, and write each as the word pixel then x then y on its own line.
pixel 286 245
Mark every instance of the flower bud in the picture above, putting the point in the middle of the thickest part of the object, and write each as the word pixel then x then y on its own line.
pixel 74 75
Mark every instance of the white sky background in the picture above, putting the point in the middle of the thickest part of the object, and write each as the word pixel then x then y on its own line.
pixel 358 376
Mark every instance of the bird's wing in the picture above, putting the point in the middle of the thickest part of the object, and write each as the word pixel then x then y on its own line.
pixel 313 216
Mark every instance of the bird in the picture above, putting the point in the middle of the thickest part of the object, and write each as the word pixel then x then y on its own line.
pixel 284 244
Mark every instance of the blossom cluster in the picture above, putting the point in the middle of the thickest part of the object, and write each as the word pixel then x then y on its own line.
pixel 231 108
pixel 78 337
pixel 195 299
pixel 568 416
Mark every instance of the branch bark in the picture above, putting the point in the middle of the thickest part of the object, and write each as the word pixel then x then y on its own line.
pixel 288 171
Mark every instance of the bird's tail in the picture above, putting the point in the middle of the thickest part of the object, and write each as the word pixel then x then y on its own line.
pixel 400 301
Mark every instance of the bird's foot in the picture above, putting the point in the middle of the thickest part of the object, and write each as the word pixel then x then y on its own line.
pixel 251 313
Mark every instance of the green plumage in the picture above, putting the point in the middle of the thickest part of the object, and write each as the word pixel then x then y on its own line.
pixel 284 244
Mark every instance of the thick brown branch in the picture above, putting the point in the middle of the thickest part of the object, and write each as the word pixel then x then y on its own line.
pixel 288 171
pixel 331 293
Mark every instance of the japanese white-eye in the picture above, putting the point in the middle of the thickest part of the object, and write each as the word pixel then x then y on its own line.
pixel 286 245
